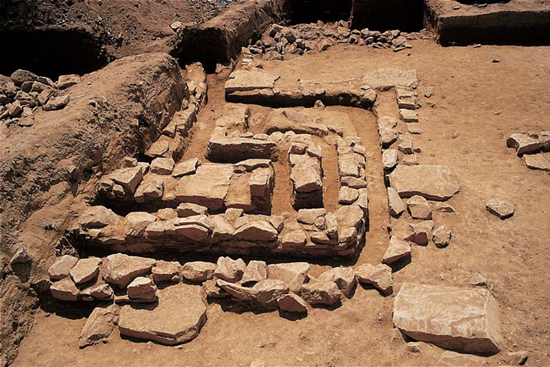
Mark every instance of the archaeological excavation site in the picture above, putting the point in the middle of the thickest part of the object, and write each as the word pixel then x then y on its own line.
pixel 267 183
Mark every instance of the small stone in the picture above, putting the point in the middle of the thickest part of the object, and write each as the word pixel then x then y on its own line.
pixel 408 115
pixel 442 236
pixel 85 270
pixel 518 358
pixel 229 269
pixel 445 208
pixel 294 238
pixel 292 303
pixel 347 195
pixel 66 81
pixel 57 103
pixel 397 250
pixel 419 208
pixel 266 292
pixel 198 271
pixel 389 159
pixel 380 276
pixel 421 232
pixel 342 276
pixel 213 290
pixel 166 271
pixel 60 268
pixel 184 168
pixel 501 208
pixel 255 272
pixel 321 293
pixel 162 166
pixel 142 289
pixel 65 290
pixel 121 269
pixel 395 203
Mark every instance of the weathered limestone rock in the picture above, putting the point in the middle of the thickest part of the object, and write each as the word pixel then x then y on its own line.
pixel 187 167
pixel 308 216
pixel 213 290
pixel 99 326
pixel 177 318
pixel 224 149
pixel 501 208
pixel 408 115
pixel 397 250
pixel 406 144
pixel 524 143
pixel 431 182
pixel 121 269
pixel 321 293
pixel 384 79
pixel 347 195
pixel 267 292
pixel 292 303
pixel 64 290
pixel 306 178
pixel 142 289
pixel 354 183
pixel 97 217
pixel 252 164
pixel 255 272
pixel 349 216
pixel 196 227
pixel 101 291
pixel 389 159
pixel 421 232
pixel 152 187
pixel 66 81
pixel 162 166
pixel 466 320
pixel 136 223
pixel 293 274
pixel 229 269
pixel 61 267
pixel 159 148
pixel 223 229
pixel 236 290
pixel 57 103
pixel 419 208
pixel 246 80
pixel 166 271
pixel 188 210
pixel 198 271
pixel 343 277
pixel 539 161
pixel 21 76
pixel 256 231
pixel 348 166
pixel 85 270
pixel 129 177
pixel 260 182
pixel 295 238
pixel 395 203
pixel 442 236
pixel 207 187
pixel 380 276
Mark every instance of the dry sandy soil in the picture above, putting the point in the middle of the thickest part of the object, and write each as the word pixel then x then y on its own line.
pixel 478 104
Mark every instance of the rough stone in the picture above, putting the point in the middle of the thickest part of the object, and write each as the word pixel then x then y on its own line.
pixel 267 292
pixel 61 267
pixel 65 290
pixel 342 276
pixel 395 203
pixel 166 271
pixel 293 274
pixel 347 195
pixel 465 320
pixel 295 238
pixel 308 216
pixel 177 318
pixel 136 223
pixel 384 79
pixel 186 167
pixel 121 269
pixel 380 276
pixel 99 326
pixel 162 166
pixel 185 210
pixel 389 159
pixel 97 217
pixel 408 115
pixel 442 236
pixel 243 80
pixel 57 103
pixel 207 187
pixel 539 161
pixel 292 303
pixel 85 270
pixel 397 250
pixel 236 290
pixel 524 143
pixel 421 232
pixel 129 177
pixel 321 293
pixel 437 183
pixel 142 289
pixel 501 208
pixel 306 178
pixel 419 208
pixel 256 231
pixel 229 269
pixel 198 271
pixel 255 272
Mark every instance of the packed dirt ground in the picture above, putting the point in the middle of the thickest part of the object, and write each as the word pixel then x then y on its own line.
pixel 478 97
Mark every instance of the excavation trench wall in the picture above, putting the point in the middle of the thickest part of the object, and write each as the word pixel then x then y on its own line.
pixel 49 167
pixel 220 39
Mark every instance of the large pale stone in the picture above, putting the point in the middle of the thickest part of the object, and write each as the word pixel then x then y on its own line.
pixel 85 270
pixel 65 290
pixel 349 216
pixel 97 217
pixel 389 159
pixel 121 269
pixel 207 187
pixel 292 303
pixel 395 203
pixel 186 167
pixel 162 166
pixel 501 208
pixel 524 143
pixel 380 276
pixel 245 80
pixel 539 161
pixel 466 320
pixel 431 182
pixel 295 238
pixel 293 274
pixel 266 292
pixel 238 149
pixel 136 223
pixel 142 289
pixel 256 231
pixel 188 210
pixel 384 79
pixel 308 216
pixel 419 208
pixel 152 187
pixel 177 318
pixel 99 326
pixel 61 267
pixel 347 195
pixel 255 272
pixel 229 269
pixel 129 177
pixel 343 277
pixel 306 178
pixel 166 271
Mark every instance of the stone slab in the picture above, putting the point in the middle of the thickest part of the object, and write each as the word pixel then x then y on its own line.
pixel 431 182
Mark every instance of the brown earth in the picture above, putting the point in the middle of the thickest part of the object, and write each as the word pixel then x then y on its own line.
pixel 478 104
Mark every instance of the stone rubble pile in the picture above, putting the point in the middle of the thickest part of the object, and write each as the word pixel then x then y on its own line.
pixel 24 92
pixel 283 42
pixel 533 147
